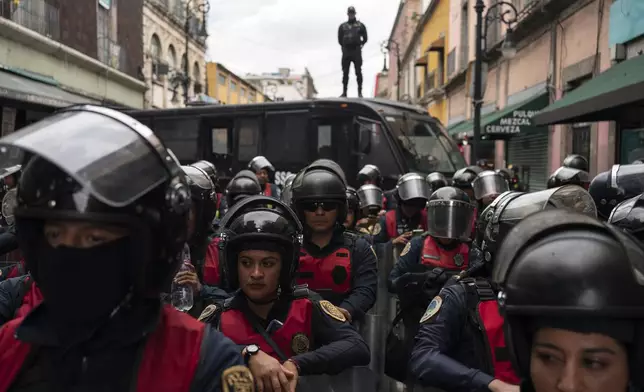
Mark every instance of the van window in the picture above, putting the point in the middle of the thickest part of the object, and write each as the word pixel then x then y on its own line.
pixel 220 141
pixel 286 138
pixel 248 138
pixel 181 135
pixel 380 154
pixel 325 134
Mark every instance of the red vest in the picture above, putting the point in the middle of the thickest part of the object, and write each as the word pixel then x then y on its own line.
pixel 487 312
pixel 211 271
pixel 236 327
pixel 169 361
pixel 454 259
pixel 330 273
pixel 31 298
pixel 392 223
pixel 267 190
pixel 18 270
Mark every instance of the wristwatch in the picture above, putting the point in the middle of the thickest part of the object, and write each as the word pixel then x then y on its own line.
pixel 249 351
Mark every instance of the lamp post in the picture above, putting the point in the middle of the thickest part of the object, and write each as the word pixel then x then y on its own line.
pixel 204 8
pixel 508 17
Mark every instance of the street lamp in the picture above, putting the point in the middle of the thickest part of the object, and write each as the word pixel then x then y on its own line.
pixel 204 8
pixel 384 51
pixel 508 50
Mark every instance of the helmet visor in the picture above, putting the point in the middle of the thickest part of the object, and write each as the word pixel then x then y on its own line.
pixel 451 219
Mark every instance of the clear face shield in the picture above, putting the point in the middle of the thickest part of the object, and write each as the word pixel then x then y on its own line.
pixel 413 187
pixel 489 185
pixel 450 219
pixel 370 197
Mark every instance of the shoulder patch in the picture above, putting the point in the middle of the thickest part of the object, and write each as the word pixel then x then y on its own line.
pixel 332 311
pixel 237 379
pixel 209 311
pixel 406 249
pixel 432 309
pixel 376 229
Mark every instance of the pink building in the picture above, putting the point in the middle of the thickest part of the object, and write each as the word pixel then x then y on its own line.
pixel 401 34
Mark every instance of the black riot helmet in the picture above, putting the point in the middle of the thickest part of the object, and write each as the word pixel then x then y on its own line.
pixel 489 184
pixel 94 164
pixel 328 164
pixel 370 173
pixel 353 202
pixel 575 161
pixel 204 201
pixel 511 207
pixel 597 288
pixel 370 197
pixel 450 214
pixel 464 177
pixel 507 175
pixel 244 184
pixel 616 185
pixel 208 168
pixel 261 223
pixel 569 176
pixel 260 163
pixel 629 216
pixel 286 194
pixel 436 181
pixel 318 183
pixel 412 186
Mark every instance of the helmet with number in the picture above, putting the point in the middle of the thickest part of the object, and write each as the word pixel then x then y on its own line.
pixel 436 181
pixel 370 197
pixel 261 223
pixel 575 161
pixel 353 202
pixel 616 185
pixel 489 184
pixel 330 165
pixel 569 176
pixel 260 163
pixel 450 214
pixel 204 202
pixel 412 187
pixel 464 177
pixel 370 173
pixel 319 184
pixel 629 216
pixel 244 184
pixel 287 194
pixel 597 288
pixel 100 166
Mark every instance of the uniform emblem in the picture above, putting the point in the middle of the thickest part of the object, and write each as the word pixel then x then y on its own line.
pixel 375 229
pixel 405 249
pixel 432 309
pixel 332 311
pixel 237 379
pixel 300 343
pixel 364 230
pixel 459 260
pixel 209 311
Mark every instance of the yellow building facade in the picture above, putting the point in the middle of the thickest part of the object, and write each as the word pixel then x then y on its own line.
pixel 434 40
pixel 230 89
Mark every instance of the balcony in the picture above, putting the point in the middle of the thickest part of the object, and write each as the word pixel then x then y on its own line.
pixel 112 54
pixel 36 15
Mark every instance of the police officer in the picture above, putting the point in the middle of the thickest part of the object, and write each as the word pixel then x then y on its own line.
pixel 487 186
pixel 399 225
pixel 436 181
pixel 370 175
pixel 335 263
pixel 575 161
pixel 287 332
pixel 352 35
pixel 286 190
pixel 614 186
pixel 211 171
pixel 573 319
pixel 102 245
pixel 629 216
pixel 463 178
pixel 353 209
pixel 243 185
pixel 263 169
pixel 369 197
pixel 568 176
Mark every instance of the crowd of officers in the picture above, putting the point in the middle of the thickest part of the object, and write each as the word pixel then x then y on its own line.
pixel 497 290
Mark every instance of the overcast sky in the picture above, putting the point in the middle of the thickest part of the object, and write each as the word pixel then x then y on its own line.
pixel 256 36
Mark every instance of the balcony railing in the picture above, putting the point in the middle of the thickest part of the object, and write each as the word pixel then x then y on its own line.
pixel 36 15
pixel 112 54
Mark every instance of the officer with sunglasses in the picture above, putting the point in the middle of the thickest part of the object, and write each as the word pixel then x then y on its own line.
pixel 337 264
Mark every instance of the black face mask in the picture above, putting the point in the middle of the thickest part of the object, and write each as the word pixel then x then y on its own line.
pixel 82 287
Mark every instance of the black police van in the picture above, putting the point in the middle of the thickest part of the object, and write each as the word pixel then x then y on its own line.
pixel 396 137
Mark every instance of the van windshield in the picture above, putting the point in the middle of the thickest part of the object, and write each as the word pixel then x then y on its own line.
pixel 424 145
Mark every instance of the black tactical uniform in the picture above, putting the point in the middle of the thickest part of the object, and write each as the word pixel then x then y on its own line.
pixel 352 35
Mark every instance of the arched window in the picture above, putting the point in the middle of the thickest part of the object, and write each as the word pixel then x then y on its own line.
pixel 172 57
pixel 155 47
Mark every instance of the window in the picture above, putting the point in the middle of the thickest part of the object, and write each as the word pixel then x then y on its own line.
pixel 155 47
pixel 248 138
pixel 631 145
pixel 243 93
pixel 286 138
pixel 172 57
pixel 451 63
pixel 380 153
pixel 181 136
pixel 221 79
pixel 325 133
pixel 233 86
pixel 220 141
pixel 465 37
pixel 581 140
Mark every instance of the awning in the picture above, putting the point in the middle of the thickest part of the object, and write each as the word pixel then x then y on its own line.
pixel 439 44
pixel 421 61
pixel 601 98
pixel 511 120
pixel 22 88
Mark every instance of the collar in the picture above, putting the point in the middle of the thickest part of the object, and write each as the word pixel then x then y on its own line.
pixel 337 240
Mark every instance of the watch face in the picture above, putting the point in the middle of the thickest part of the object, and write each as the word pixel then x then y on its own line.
pixel 252 349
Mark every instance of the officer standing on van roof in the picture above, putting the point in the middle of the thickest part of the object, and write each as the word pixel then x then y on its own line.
pixel 264 170
pixel 352 35
pixel 337 264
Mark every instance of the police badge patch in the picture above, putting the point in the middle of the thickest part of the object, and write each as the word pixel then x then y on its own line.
pixel 405 249
pixel 300 343
pixel 376 229
pixel 459 260
pixel 209 311
pixel 237 379
pixel 432 309
pixel 332 311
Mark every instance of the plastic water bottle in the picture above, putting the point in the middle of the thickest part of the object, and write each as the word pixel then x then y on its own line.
pixel 182 296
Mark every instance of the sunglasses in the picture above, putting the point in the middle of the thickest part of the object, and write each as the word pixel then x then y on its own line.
pixel 325 206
